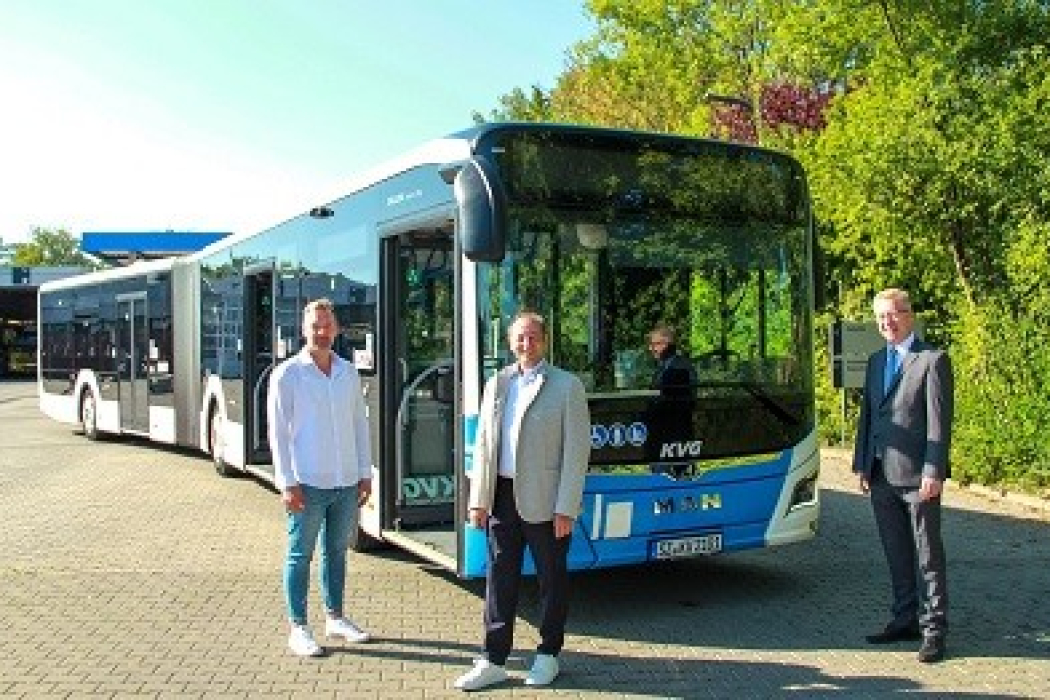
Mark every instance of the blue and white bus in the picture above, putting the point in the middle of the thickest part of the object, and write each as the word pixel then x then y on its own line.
pixel 606 233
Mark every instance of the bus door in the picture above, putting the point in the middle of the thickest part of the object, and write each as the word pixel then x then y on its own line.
pixel 133 362
pixel 419 482
pixel 258 362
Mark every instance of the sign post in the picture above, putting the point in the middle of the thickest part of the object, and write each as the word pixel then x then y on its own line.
pixel 850 345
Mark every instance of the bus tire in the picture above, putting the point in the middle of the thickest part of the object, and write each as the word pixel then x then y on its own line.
pixel 215 445
pixel 89 415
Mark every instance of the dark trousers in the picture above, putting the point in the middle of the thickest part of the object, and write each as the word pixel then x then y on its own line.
pixel 910 530
pixel 508 535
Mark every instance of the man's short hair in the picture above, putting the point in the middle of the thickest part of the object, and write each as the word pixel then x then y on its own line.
pixel 665 332
pixel 899 297
pixel 526 314
pixel 321 304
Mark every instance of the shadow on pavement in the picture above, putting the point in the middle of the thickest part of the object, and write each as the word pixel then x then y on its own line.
pixel 584 672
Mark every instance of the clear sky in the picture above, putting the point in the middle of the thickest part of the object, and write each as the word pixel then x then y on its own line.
pixel 223 115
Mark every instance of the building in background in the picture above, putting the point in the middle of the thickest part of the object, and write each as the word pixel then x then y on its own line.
pixel 7 253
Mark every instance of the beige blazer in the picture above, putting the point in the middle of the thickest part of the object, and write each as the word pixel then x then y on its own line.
pixel 554 445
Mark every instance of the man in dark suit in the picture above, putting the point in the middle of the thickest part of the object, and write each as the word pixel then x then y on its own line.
pixel 901 456
pixel 670 415
pixel 526 488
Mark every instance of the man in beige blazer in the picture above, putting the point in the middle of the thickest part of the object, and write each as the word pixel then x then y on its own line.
pixel 901 457
pixel 526 488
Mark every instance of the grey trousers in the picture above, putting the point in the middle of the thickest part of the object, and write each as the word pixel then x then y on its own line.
pixel 910 530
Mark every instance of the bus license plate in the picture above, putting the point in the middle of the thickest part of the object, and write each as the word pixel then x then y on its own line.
pixel 689 546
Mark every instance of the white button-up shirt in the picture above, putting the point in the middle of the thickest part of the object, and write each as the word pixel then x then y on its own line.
pixel 318 424
pixel 520 392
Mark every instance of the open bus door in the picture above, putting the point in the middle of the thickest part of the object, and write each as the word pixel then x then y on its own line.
pixel 258 358
pixel 417 481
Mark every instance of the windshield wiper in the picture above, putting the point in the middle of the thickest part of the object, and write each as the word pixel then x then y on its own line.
pixel 770 403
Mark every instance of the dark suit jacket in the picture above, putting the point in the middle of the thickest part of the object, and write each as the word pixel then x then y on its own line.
pixel 910 426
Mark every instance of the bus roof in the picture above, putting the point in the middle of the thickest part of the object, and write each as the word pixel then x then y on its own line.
pixel 449 149
pixel 142 267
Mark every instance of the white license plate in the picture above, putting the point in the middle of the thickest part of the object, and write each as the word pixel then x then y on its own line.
pixel 689 546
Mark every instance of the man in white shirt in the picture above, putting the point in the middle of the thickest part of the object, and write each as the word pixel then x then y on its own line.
pixel 526 488
pixel 318 430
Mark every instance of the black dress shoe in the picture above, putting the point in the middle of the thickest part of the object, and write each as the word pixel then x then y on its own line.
pixel 909 633
pixel 932 650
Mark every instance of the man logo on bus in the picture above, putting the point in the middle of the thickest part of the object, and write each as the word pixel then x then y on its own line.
pixel 678 450
pixel 687 504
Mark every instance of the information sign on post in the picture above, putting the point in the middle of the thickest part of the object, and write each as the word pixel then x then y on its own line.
pixel 851 343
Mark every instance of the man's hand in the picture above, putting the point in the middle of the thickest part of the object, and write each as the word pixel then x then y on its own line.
pixel 478 517
pixel 364 490
pixel 562 525
pixel 931 488
pixel 865 485
pixel 292 498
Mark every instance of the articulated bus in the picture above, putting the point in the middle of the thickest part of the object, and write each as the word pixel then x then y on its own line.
pixel 606 233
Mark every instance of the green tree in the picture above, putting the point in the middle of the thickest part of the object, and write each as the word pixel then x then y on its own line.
pixel 50 247
pixel 924 127
pixel 519 105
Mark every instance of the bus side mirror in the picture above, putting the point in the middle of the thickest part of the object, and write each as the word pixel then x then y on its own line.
pixel 482 211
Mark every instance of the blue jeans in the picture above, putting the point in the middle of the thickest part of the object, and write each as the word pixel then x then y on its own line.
pixel 331 513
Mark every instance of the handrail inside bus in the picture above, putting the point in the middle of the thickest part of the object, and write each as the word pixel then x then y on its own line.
pixel 256 393
pixel 400 418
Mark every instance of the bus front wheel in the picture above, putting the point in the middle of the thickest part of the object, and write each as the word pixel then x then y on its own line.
pixel 89 415
pixel 216 444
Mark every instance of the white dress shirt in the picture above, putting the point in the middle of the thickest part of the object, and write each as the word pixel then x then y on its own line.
pixel 520 393
pixel 318 424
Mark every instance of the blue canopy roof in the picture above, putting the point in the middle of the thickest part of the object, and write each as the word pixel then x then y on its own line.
pixel 146 243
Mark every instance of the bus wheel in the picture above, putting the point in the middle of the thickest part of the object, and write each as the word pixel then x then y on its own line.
pixel 215 443
pixel 89 415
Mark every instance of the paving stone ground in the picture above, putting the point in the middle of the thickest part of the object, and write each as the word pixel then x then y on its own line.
pixel 133 571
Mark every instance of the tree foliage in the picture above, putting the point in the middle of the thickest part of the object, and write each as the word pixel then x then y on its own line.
pixel 50 247
pixel 925 128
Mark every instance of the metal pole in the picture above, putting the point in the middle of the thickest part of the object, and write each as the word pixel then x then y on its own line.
pixel 842 430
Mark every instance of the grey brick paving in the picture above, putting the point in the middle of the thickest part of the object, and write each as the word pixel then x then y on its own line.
pixel 132 571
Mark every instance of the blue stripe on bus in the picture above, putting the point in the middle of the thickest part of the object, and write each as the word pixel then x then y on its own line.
pixel 623 515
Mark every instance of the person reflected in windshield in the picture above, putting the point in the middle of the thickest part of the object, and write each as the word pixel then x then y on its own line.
pixel 671 413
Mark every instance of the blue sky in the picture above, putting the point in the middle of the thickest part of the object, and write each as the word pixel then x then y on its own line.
pixel 224 115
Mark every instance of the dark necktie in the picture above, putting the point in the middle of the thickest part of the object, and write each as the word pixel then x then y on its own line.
pixel 893 366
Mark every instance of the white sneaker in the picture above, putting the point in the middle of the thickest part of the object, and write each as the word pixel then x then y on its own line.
pixel 341 627
pixel 301 642
pixel 484 674
pixel 544 670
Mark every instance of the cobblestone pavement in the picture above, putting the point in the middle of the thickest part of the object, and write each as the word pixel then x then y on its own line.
pixel 128 570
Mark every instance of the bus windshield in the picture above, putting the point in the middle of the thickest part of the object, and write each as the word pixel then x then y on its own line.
pixel 611 243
